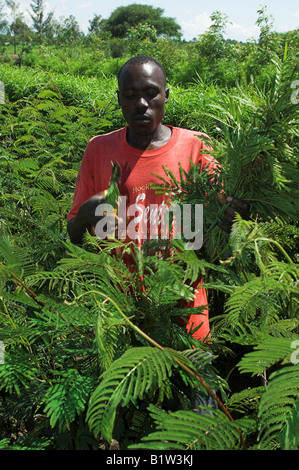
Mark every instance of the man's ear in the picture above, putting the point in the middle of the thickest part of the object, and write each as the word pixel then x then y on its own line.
pixel 166 95
pixel 117 92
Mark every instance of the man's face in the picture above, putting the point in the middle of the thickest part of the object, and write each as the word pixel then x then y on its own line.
pixel 142 96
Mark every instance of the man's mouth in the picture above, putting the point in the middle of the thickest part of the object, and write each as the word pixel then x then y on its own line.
pixel 142 118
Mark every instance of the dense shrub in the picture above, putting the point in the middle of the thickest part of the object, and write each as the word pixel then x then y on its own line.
pixel 87 357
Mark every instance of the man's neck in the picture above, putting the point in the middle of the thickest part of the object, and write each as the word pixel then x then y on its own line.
pixel 149 141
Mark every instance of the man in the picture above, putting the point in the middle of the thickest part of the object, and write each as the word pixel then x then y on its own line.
pixel 141 148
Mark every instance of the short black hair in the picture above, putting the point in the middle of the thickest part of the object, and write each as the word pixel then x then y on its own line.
pixel 140 60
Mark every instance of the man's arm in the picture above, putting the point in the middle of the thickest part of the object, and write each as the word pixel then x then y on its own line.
pixel 235 206
pixel 85 219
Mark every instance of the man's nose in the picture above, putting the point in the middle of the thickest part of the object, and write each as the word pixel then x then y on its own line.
pixel 141 102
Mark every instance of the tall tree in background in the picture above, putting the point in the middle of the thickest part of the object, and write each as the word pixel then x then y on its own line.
pixel 211 44
pixel 41 22
pixel 124 18
pixel 95 25
pixel 3 21
pixel 71 30
pixel 16 22
pixel 268 40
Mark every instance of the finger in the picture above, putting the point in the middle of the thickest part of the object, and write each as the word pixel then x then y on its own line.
pixel 239 203
pixel 226 227
pixel 96 199
pixel 230 214
pixel 221 198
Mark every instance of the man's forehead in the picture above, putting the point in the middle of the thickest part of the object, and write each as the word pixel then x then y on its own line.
pixel 148 71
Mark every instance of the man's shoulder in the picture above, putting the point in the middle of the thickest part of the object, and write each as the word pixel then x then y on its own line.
pixel 192 135
pixel 190 132
pixel 109 137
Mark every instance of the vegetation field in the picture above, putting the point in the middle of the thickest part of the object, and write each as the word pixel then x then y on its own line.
pixel 92 354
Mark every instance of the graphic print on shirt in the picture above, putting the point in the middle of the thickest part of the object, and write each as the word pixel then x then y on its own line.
pixel 147 220
pixel 164 221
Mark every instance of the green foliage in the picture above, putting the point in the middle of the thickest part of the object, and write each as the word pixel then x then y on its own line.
pixel 144 40
pixel 212 44
pixel 40 23
pixel 279 402
pixel 95 351
pixel 183 430
pixel 131 377
pixel 67 399
pixel 125 17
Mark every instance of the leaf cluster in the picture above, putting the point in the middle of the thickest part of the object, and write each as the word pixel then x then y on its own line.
pixel 94 348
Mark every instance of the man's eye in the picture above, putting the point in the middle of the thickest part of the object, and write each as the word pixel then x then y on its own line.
pixel 129 95
pixel 152 93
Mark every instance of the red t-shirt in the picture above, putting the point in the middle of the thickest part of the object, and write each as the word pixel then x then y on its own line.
pixel 138 169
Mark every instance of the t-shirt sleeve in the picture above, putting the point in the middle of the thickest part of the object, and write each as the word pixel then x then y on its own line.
pixel 85 185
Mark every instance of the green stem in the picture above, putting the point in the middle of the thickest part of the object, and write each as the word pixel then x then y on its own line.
pixel 187 369
pixel 275 243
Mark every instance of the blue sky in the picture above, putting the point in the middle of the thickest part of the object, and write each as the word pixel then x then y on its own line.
pixel 192 15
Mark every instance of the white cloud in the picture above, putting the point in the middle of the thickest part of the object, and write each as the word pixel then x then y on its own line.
pixel 198 24
pixel 60 8
pixel 241 32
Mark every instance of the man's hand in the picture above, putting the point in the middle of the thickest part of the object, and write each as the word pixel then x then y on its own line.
pixel 85 219
pixel 235 206
pixel 86 214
